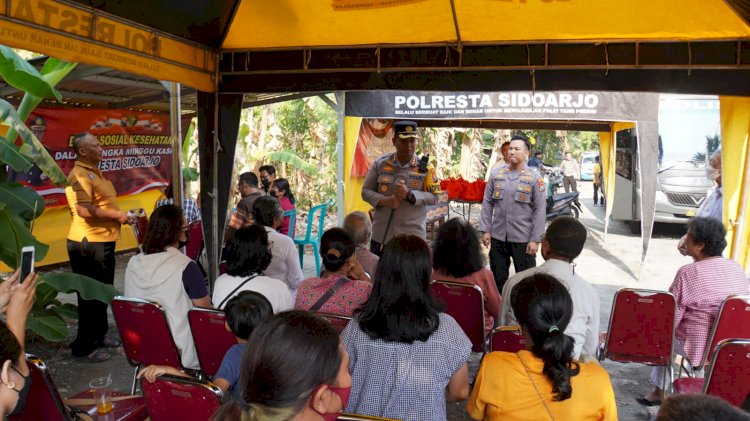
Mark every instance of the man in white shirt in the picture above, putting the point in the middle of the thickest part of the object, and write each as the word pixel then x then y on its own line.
pixel 571 173
pixel 284 265
pixel 562 243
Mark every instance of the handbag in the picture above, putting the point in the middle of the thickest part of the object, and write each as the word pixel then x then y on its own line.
pixel 231 294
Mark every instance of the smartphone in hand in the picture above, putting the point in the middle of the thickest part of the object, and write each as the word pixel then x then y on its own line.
pixel 27 262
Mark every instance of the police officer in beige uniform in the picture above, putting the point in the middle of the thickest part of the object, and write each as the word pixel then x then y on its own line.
pixel 399 190
pixel 513 213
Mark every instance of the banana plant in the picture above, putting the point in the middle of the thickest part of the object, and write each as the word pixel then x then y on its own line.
pixel 21 205
pixel 289 157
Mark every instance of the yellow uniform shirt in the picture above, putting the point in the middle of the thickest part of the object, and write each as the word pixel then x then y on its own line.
pixel 503 391
pixel 597 174
pixel 87 185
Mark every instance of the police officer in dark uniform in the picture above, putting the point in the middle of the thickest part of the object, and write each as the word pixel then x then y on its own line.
pixel 399 189
pixel 513 213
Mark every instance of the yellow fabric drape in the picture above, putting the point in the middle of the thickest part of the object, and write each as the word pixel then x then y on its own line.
pixel 607 147
pixel 352 186
pixel 735 147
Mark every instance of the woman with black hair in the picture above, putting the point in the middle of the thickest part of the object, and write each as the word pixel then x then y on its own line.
pixel 247 256
pixel 542 382
pixel 163 273
pixel 699 288
pixel 280 189
pixel 344 285
pixel 294 368
pixel 406 357
pixel 457 257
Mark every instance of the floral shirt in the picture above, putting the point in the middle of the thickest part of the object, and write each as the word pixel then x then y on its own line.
pixel 343 302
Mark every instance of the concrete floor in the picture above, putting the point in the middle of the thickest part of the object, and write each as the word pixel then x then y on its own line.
pixel 608 265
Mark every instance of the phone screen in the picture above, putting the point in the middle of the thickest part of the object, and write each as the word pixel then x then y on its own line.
pixel 27 264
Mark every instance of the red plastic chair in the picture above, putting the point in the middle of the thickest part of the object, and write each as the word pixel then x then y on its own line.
pixel 180 398
pixel 357 417
pixel 728 376
pixel 45 403
pixel 465 303
pixel 641 329
pixel 339 322
pixel 146 337
pixel 507 338
pixel 194 246
pixel 733 322
pixel 211 338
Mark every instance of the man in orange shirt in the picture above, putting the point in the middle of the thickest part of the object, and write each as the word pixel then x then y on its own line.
pixel 95 227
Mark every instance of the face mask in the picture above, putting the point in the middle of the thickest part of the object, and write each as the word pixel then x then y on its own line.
pixel 23 394
pixel 343 393
pixel 187 238
pixel 265 183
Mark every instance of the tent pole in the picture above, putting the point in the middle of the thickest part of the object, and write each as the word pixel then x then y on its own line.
pixel 175 112
pixel 340 158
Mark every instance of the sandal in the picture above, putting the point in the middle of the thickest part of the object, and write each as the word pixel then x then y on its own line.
pixel 99 355
pixel 111 342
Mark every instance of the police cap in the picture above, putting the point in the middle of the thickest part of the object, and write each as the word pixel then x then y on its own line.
pixel 405 129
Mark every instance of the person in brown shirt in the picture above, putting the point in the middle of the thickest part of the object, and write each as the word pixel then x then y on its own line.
pixel 95 227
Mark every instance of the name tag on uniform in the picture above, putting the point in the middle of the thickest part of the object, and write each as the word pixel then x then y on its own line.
pixel 385 179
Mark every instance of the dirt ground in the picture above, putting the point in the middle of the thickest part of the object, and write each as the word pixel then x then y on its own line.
pixel 608 265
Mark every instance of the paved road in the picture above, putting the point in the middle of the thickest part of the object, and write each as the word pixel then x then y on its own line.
pixel 608 265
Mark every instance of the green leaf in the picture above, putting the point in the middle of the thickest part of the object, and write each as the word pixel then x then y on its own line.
pixel 67 310
pixel 15 235
pixel 190 174
pixel 48 325
pixel 55 70
pixel 186 144
pixel 89 288
pixel 11 155
pixel 289 157
pixel 32 147
pixel 45 295
pixel 22 200
pixel 23 76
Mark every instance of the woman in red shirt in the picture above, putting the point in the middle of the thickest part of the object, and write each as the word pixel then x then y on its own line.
pixel 280 190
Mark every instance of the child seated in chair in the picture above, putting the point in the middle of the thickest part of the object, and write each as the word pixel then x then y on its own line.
pixel 243 313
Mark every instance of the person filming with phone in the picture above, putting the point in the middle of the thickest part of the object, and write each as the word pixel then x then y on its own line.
pixel 399 186
pixel 95 227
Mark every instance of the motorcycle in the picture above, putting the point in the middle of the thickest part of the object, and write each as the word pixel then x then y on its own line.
pixel 560 204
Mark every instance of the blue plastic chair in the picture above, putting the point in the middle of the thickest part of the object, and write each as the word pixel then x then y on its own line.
pixel 292 214
pixel 319 212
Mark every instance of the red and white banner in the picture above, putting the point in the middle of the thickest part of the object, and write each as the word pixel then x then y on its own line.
pixel 136 156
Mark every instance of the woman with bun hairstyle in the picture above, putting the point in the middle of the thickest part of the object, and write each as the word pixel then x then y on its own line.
pixel 343 286
pixel 294 368
pixel 542 382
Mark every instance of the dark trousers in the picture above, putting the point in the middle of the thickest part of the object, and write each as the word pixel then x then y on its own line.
pixel 95 260
pixel 500 255
pixel 569 182
pixel 596 195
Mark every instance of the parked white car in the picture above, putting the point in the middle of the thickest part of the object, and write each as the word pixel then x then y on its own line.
pixel 587 166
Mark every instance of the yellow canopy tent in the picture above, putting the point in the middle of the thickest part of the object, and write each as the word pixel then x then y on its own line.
pixel 229 47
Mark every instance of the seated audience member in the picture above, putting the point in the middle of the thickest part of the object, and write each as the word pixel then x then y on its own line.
pixel 359 227
pixel 243 215
pixel 343 286
pixel 162 273
pixel 16 301
pixel 700 288
pixel 457 257
pixel 285 261
pixel 699 407
pixel 563 243
pixel 294 369
pixel 244 312
pixel 280 189
pixel 406 357
pixel 267 175
pixel 189 205
pixel 543 382
pixel 248 255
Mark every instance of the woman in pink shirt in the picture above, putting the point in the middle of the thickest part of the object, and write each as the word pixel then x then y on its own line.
pixel 280 190
pixel 343 286
pixel 700 288
pixel 457 257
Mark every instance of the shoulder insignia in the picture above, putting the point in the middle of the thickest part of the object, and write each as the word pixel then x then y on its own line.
pixel 540 184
